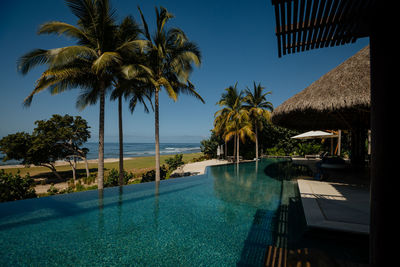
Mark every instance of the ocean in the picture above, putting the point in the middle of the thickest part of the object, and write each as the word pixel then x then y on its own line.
pixel 111 150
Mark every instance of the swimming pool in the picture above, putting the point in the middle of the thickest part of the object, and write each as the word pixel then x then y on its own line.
pixel 226 217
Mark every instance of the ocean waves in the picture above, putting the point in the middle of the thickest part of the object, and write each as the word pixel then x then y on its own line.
pixel 111 150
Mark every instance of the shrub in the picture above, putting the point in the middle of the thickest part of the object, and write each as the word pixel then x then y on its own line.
pixel 52 190
pixel 15 187
pixel 308 148
pixel 274 151
pixel 151 175
pixel 174 162
pixel 113 178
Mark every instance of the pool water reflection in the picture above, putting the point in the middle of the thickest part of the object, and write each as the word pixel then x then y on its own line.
pixel 221 218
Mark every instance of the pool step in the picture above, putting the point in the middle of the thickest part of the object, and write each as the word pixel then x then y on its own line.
pixel 282 257
pixel 259 236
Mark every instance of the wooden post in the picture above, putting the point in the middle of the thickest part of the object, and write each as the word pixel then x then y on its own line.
pixel 339 141
pixel 384 152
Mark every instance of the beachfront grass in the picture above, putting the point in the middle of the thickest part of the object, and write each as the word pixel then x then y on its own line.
pixel 137 166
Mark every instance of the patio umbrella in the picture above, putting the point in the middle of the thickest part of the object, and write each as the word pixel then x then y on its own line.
pixel 322 135
pixel 315 134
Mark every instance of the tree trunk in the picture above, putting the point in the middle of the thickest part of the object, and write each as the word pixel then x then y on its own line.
pixel 121 143
pixel 157 136
pixel 87 167
pixel 226 150
pixel 100 168
pixel 53 170
pixel 237 153
pixel 234 146
pixel 73 165
pixel 256 143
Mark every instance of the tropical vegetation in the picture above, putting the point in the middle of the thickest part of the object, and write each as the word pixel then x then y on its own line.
pixel 108 55
pixel 240 117
pixel 15 187
pixel 59 138
pixel 169 59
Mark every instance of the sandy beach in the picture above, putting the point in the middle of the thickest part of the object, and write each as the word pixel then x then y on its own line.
pixel 62 163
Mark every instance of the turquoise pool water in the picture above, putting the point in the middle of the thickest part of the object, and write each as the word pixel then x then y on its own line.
pixel 226 217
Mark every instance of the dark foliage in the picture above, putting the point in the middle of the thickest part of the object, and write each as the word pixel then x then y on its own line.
pixel 15 187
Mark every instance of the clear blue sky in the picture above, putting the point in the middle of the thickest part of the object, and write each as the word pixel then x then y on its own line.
pixel 237 41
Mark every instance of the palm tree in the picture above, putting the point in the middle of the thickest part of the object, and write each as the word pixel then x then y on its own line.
pixel 227 101
pixel 170 56
pixel 87 65
pixel 233 119
pixel 127 39
pixel 240 127
pixel 258 108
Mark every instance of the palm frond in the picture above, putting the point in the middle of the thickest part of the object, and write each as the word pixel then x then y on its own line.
pixel 146 28
pixel 170 91
pixel 65 55
pixel 60 28
pixel 106 60
pixel 32 59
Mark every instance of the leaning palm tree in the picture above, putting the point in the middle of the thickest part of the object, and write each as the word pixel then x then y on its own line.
pixel 259 108
pixel 86 65
pixel 170 56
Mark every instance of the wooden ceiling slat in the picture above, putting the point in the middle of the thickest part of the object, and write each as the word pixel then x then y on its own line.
pixel 296 24
pixel 318 23
pixel 309 24
pixel 312 24
pixel 289 24
pixel 278 30
pixel 300 23
pixel 283 26
pixel 330 22
pixel 323 24
pixel 306 20
pixel 343 20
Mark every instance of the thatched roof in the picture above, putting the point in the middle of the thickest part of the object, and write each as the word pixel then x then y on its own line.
pixel 338 100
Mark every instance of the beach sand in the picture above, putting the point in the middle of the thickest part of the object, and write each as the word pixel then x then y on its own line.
pixel 62 163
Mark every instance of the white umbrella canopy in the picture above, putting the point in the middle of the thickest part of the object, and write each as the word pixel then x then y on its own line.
pixel 315 134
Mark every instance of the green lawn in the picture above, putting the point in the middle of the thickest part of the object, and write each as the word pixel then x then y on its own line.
pixel 137 166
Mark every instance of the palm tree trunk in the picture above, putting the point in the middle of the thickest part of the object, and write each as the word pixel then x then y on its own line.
pixel 256 144
pixel 226 149
pixel 100 168
pixel 234 146
pixel 87 167
pixel 121 143
pixel 237 153
pixel 157 136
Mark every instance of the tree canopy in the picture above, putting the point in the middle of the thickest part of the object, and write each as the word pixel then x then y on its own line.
pixel 51 140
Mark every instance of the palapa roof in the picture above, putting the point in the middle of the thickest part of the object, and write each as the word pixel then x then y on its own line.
pixel 340 99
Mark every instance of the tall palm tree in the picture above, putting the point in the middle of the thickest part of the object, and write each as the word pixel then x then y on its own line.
pixel 170 56
pixel 258 107
pixel 131 52
pixel 238 124
pixel 227 101
pixel 87 65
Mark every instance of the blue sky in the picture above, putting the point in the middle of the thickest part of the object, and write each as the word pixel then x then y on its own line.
pixel 237 41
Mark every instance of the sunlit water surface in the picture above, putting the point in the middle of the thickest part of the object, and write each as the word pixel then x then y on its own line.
pixel 226 217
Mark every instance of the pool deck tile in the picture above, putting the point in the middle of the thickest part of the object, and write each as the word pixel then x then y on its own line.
pixel 335 206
